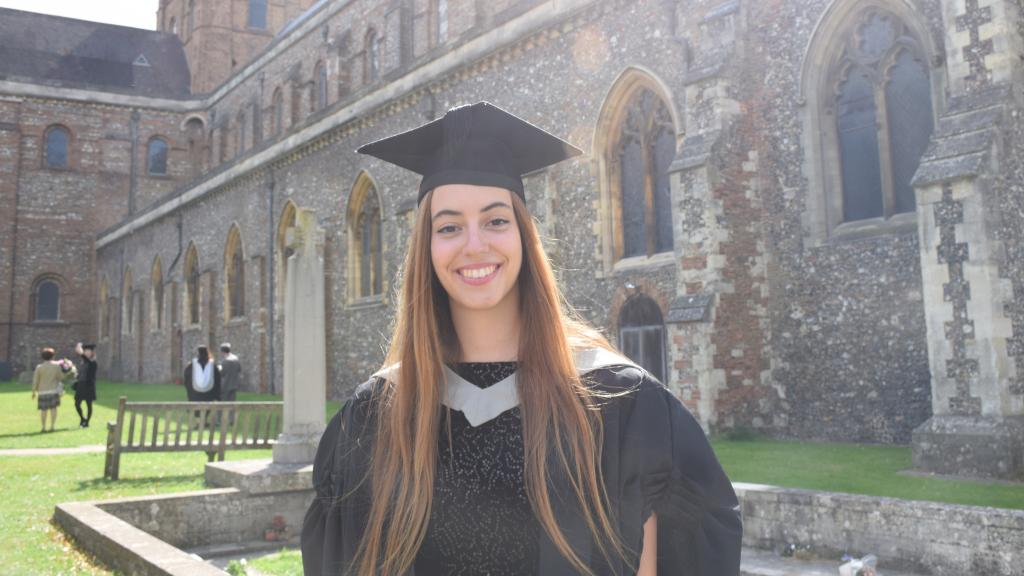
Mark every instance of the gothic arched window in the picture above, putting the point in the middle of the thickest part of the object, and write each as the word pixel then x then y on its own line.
pixel 372 58
pixel 240 144
pixel 46 300
pixel 286 221
pixel 278 112
pixel 642 334
pixel 366 262
pixel 191 271
pixel 156 295
pixel 883 117
pixel 58 140
pixel 127 307
pixel 644 148
pixel 440 21
pixel 320 87
pixel 104 308
pixel 234 274
pixel 156 157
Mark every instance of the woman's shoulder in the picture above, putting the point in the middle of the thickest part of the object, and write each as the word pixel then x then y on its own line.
pixel 361 404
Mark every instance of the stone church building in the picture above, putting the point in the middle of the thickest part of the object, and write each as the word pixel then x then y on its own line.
pixel 805 216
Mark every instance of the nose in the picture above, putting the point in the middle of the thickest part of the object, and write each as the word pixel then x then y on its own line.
pixel 476 242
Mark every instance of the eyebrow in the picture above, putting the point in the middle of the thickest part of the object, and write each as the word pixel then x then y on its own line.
pixel 489 207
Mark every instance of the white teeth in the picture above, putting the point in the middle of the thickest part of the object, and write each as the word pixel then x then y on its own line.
pixel 478 272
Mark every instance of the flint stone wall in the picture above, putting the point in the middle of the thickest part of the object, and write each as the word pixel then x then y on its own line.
pixel 923 537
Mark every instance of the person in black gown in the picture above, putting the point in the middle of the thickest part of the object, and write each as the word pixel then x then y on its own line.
pixel 85 386
pixel 202 378
pixel 661 503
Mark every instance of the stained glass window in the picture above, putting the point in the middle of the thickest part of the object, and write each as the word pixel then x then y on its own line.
pixel 646 150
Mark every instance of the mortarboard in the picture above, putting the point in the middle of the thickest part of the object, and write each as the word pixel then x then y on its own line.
pixel 478 144
pixel 88 347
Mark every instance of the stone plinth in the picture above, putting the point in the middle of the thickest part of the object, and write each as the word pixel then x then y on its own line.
pixel 987 447
pixel 260 476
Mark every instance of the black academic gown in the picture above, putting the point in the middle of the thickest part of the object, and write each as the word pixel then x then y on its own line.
pixel 211 395
pixel 85 385
pixel 655 458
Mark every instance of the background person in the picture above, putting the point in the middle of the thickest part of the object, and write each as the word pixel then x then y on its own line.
pixel 47 383
pixel 85 386
pixel 230 373
pixel 202 378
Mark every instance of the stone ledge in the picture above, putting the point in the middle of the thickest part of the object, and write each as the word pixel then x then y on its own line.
pixel 124 547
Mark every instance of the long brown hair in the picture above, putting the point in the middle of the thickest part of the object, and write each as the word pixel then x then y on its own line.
pixel 559 412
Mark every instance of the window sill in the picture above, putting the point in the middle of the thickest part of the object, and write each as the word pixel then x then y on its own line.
pixel 192 328
pixel 50 323
pixel 159 176
pixel 635 263
pixel 862 229
pixel 366 302
pixel 237 321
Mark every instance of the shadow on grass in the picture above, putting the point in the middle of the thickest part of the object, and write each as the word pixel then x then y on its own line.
pixel 99 483
pixel 23 434
pixel 48 432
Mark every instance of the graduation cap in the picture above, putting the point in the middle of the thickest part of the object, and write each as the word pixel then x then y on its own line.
pixel 478 144
pixel 88 347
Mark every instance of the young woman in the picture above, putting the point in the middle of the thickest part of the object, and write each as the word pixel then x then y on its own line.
pixel 504 436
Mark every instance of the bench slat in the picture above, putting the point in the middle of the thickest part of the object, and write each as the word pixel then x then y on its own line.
pixel 131 430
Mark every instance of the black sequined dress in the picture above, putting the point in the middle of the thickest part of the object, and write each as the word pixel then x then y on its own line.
pixel 481 521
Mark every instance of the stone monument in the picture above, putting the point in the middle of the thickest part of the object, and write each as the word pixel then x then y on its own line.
pixel 305 352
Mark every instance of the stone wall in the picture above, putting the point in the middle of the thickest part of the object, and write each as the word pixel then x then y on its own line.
pixel 51 215
pixel 923 537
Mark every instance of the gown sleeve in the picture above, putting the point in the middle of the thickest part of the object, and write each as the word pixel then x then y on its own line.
pixel 664 464
pixel 332 526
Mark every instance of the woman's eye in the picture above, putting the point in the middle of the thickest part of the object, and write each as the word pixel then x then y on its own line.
pixel 499 222
pixel 447 229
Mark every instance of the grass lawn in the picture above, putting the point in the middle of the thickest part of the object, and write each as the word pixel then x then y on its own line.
pixel 854 468
pixel 38 483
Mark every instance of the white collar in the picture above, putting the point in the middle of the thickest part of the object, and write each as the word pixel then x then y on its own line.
pixel 481 405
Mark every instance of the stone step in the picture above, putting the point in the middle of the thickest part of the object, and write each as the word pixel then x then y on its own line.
pixel 764 563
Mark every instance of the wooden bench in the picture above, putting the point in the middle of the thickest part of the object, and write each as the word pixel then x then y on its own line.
pixel 211 427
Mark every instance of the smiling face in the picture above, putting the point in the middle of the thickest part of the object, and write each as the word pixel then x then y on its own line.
pixel 475 246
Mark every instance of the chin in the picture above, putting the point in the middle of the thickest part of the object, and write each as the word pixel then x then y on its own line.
pixel 477 303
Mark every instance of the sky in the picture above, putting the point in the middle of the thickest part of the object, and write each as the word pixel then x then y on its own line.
pixel 134 13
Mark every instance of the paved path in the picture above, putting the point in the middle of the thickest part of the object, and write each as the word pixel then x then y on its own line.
pixel 52 451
